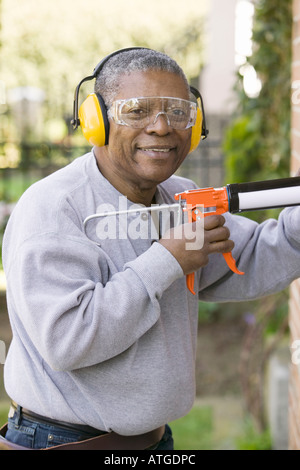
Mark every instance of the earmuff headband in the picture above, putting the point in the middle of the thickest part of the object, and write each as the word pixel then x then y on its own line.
pixel 75 121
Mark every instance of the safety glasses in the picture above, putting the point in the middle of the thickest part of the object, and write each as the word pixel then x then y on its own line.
pixel 140 112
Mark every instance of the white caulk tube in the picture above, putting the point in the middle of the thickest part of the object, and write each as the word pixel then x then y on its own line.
pixel 263 194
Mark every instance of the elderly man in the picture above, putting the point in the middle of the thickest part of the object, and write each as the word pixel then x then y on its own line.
pixel 104 328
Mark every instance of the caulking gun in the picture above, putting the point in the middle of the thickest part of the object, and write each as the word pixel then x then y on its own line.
pixel 233 198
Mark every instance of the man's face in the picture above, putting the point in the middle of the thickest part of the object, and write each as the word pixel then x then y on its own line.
pixel 146 157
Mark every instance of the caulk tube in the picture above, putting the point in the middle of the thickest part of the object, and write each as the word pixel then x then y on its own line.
pixel 264 194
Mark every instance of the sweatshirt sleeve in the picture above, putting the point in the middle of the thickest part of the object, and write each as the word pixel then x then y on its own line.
pixel 268 254
pixel 72 317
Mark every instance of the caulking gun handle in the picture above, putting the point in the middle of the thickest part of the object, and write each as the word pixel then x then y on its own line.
pixel 231 263
pixel 190 278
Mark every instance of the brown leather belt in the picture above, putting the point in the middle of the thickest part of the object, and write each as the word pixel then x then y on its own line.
pixel 106 441
pixel 62 424
pixel 109 441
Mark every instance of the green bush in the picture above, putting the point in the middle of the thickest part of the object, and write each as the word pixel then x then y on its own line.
pixel 252 439
pixel 4 407
pixel 257 143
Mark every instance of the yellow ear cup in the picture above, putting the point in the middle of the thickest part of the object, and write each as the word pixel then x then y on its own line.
pixel 93 121
pixel 196 130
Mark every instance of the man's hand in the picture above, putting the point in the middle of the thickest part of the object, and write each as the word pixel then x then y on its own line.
pixel 192 243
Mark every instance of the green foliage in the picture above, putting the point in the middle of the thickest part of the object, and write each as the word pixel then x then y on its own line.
pixel 208 311
pixel 4 407
pixel 252 439
pixel 195 430
pixel 257 143
pixel 241 147
pixel 257 147
pixel 279 313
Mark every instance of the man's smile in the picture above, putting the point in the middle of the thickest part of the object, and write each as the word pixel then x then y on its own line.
pixel 157 150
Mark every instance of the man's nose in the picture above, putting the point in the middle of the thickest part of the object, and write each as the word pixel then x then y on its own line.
pixel 160 124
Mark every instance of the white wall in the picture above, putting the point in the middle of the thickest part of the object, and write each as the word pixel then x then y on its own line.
pixel 218 76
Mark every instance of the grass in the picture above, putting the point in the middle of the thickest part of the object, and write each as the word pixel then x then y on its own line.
pixel 4 407
pixel 195 430
pixel 251 439
pixel 12 187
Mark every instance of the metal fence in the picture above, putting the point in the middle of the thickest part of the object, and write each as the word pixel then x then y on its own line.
pixel 24 163
pixel 205 165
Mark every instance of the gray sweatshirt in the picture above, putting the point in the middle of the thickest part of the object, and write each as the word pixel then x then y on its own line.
pixel 104 328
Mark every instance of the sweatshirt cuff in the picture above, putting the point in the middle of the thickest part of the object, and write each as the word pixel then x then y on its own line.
pixel 157 268
pixel 292 224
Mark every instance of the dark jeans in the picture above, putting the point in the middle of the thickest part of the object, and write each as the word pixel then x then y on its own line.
pixel 30 433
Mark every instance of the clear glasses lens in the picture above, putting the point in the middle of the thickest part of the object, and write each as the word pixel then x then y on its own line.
pixel 140 112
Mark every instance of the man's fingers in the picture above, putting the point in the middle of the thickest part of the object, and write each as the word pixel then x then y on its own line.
pixel 224 246
pixel 213 221
pixel 217 234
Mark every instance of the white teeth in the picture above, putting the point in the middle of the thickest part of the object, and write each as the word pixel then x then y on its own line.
pixel 157 150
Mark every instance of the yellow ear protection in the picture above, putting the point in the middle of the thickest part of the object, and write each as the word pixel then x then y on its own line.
pixel 92 114
pixel 199 130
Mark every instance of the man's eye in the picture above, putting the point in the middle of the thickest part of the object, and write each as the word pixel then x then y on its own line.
pixel 135 112
pixel 177 112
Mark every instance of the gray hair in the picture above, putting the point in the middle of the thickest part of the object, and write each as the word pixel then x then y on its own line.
pixel 107 82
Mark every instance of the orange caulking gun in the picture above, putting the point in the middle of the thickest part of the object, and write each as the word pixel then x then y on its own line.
pixel 235 198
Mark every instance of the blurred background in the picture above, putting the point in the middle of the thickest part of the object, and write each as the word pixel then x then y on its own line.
pixel 238 53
